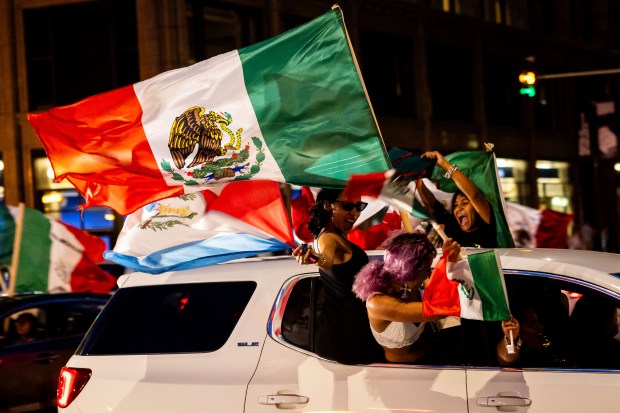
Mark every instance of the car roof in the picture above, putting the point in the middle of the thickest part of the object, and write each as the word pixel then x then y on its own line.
pixel 595 260
pixel 31 298
pixel 582 265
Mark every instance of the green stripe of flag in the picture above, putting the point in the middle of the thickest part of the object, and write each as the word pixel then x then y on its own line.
pixel 488 280
pixel 7 234
pixel 34 254
pixel 309 100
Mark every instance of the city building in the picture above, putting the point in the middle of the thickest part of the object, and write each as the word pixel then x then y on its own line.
pixel 441 74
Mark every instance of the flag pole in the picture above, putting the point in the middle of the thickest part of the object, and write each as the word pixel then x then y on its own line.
pixel 3 284
pixel 17 242
pixel 359 73
pixel 404 217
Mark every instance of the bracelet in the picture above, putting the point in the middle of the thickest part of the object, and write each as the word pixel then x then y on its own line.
pixel 517 343
pixel 453 168
pixel 322 261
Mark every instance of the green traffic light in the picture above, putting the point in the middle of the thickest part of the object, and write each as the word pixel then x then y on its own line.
pixel 528 91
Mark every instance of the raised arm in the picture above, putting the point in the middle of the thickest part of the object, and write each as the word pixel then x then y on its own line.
pixel 471 191
pixel 427 197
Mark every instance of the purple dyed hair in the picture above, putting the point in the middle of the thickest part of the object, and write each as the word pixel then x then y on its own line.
pixel 405 254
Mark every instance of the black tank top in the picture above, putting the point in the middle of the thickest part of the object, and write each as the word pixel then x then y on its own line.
pixel 343 332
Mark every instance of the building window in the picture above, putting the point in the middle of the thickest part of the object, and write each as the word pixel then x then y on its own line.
pixel 217 29
pixel 59 200
pixel 389 79
pixel 502 99
pixel 451 82
pixel 541 16
pixel 516 13
pixel 77 50
pixel 471 8
pixel 512 173
pixel 554 189
pixel 493 11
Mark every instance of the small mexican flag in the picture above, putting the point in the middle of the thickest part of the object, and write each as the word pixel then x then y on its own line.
pixel 53 256
pixel 479 166
pixel 471 288
pixel 290 109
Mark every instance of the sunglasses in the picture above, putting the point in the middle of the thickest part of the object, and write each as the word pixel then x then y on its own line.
pixel 348 206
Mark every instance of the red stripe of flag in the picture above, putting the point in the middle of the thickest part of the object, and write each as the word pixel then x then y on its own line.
pixel 103 134
pixel 365 185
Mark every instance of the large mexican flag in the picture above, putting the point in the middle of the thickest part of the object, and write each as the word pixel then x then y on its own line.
pixel 291 109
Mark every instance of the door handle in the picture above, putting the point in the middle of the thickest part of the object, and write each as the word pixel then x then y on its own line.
pixel 283 401
pixel 503 401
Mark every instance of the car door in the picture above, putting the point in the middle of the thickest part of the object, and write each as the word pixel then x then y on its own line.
pixel 290 376
pixel 572 372
pixel 29 370
pixel 26 367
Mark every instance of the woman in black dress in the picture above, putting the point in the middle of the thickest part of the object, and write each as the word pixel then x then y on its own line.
pixel 343 333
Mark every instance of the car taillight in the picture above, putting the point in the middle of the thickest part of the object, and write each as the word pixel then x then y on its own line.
pixel 70 383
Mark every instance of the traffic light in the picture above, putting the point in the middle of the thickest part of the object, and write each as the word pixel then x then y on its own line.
pixel 528 83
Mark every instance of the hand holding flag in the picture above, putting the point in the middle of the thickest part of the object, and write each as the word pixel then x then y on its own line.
pixel 468 285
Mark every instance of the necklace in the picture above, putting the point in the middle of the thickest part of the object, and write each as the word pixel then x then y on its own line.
pixel 405 292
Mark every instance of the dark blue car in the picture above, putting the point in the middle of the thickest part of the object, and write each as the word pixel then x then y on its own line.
pixel 38 334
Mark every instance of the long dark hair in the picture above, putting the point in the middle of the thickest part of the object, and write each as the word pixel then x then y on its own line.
pixel 477 218
pixel 319 216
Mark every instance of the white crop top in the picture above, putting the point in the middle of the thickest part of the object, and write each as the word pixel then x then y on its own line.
pixel 398 334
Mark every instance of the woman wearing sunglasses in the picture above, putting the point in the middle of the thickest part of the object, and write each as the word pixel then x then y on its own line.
pixel 343 332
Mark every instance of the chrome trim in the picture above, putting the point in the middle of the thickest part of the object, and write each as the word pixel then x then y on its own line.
pixel 277 312
pixel 558 277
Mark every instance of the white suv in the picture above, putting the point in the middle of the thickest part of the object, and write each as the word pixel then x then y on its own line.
pixel 237 337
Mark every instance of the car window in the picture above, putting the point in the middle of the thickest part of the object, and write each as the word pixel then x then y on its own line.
pixel 168 319
pixel 556 331
pixel 302 310
pixel 71 318
pixel 296 319
pixel 300 313
pixel 24 326
pixel 563 325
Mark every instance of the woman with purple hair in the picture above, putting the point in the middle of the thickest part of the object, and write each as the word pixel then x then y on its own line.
pixel 391 290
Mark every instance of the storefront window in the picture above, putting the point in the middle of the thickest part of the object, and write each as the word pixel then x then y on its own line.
pixel 76 50
pixel 512 173
pixel 61 201
pixel 554 188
